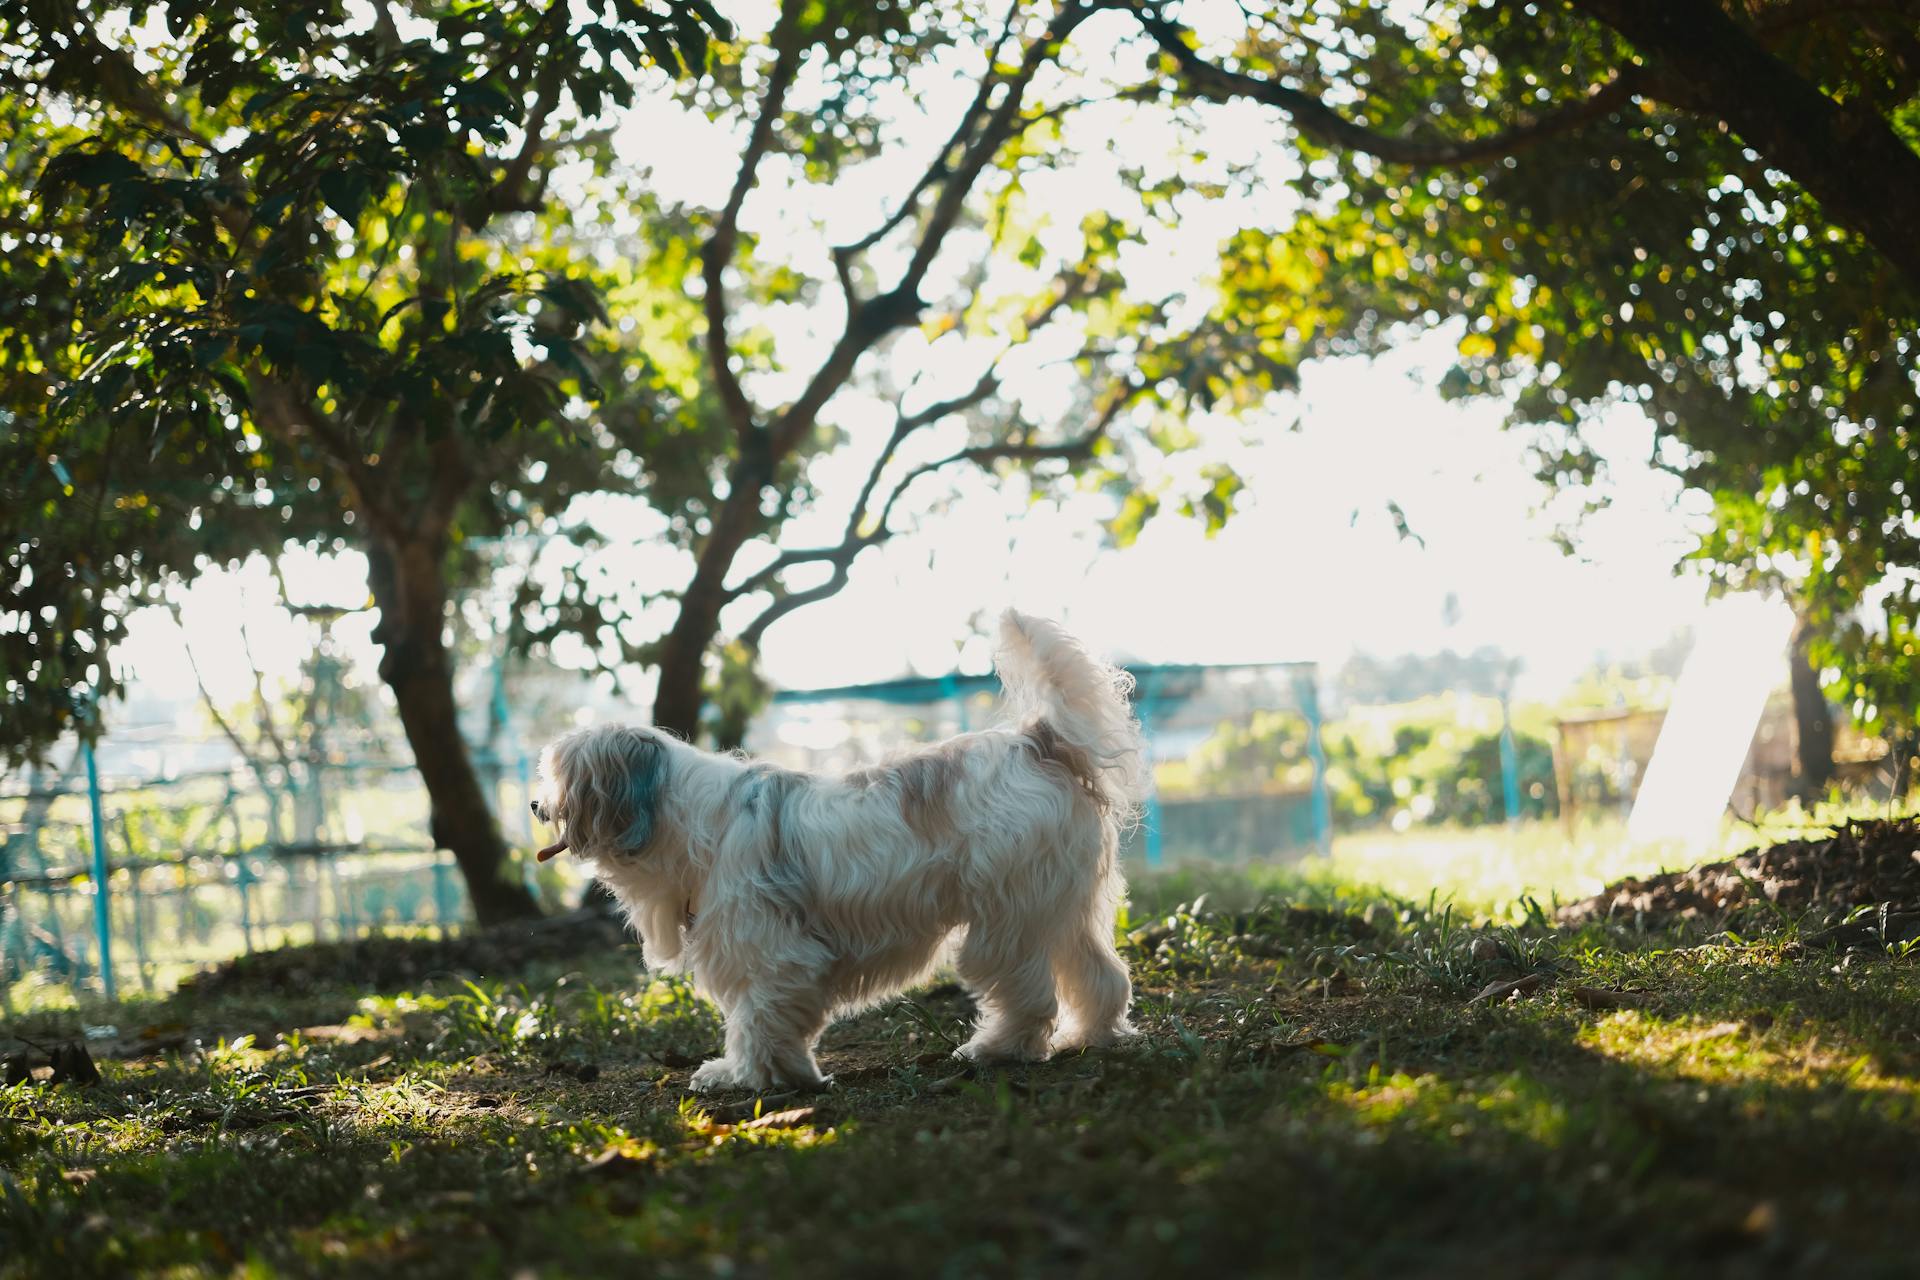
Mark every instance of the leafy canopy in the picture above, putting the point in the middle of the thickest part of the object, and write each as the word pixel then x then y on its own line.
pixel 295 272
pixel 1612 225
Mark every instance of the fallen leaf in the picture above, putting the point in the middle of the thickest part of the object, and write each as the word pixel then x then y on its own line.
pixel 730 1112
pixel 793 1118
pixel 1600 998
pixel 948 1084
pixel 1504 990
pixel 1279 1048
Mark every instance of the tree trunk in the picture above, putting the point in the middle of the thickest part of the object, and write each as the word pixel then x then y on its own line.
pixel 1812 721
pixel 1862 172
pixel 1906 753
pixel 409 586
pixel 682 690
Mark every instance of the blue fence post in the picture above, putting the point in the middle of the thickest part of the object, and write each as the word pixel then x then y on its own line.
pixel 243 877
pixel 1306 686
pixel 342 898
pixel 1509 763
pixel 500 715
pixel 525 769
pixel 102 920
pixel 1152 838
pixel 443 904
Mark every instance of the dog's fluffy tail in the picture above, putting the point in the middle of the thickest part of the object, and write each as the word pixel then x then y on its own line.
pixel 1050 676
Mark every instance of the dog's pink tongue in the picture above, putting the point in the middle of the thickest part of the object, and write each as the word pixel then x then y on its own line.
pixel 553 850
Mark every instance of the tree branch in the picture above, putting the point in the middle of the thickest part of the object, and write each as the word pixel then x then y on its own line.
pixel 718 253
pixel 841 557
pixel 1079 447
pixel 905 424
pixel 385 27
pixel 872 319
pixel 1324 125
pixel 511 193
pixel 262 709
pixel 785 605
pixel 279 410
pixel 1072 286
pixel 1864 174
pixel 938 169
pixel 220 721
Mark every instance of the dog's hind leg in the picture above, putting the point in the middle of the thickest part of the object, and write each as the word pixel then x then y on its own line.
pixel 1011 977
pixel 1094 986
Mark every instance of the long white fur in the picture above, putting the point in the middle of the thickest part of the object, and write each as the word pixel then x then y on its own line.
pixel 794 898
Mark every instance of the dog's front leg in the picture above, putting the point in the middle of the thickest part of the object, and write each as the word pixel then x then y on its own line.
pixel 775 1011
pixel 770 1035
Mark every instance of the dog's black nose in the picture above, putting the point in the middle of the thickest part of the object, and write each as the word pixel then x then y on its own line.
pixel 533 807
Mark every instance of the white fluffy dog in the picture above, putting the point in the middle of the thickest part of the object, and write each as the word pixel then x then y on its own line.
pixel 795 897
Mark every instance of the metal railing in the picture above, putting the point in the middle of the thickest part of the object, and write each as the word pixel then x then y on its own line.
pixel 106 883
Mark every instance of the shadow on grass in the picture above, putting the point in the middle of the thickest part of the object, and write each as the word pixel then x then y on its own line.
pixel 1313 1095
pixel 1250 1131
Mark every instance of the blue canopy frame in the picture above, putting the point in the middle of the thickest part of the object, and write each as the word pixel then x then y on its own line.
pixel 1157 688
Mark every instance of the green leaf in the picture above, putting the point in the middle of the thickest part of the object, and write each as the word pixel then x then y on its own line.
pixel 346 191
pixel 90 170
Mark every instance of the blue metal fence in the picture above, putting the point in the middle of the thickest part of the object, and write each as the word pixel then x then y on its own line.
pixel 106 882
pixel 126 871
pixel 1178 705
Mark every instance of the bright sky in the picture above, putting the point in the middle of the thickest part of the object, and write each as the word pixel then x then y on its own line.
pixel 1311 568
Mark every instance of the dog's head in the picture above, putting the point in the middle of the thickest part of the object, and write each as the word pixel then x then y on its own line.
pixel 601 788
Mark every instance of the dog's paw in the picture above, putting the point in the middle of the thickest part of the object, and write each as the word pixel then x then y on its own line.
pixel 722 1073
pixel 989 1051
pixel 715 1075
pixel 1094 1037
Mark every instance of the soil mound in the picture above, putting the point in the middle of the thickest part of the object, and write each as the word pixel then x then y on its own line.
pixel 1861 864
pixel 391 963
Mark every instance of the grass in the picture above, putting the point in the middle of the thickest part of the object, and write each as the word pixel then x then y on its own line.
pixel 1316 1092
pixel 1499 872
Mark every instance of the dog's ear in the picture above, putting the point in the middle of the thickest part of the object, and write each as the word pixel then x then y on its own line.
pixel 609 781
pixel 644 769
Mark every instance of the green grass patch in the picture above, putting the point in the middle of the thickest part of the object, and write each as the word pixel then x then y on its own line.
pixel 1317 1091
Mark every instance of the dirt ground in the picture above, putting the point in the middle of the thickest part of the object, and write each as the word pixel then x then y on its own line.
pixel 1842 887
